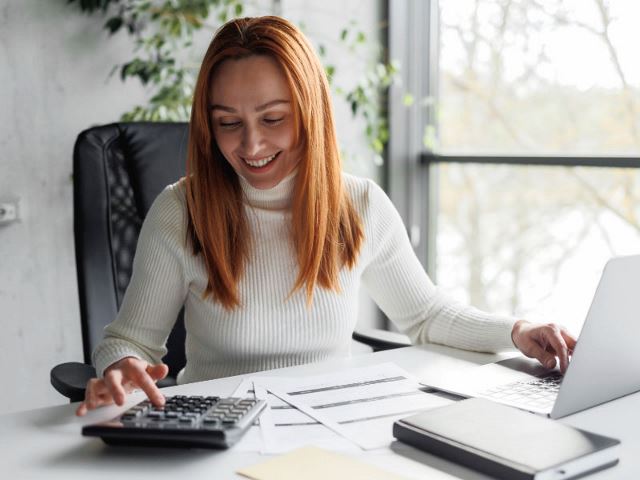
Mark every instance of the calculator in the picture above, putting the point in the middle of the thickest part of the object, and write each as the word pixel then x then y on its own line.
pixel 184 421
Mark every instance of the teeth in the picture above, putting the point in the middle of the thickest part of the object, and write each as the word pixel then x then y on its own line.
pixel 260 163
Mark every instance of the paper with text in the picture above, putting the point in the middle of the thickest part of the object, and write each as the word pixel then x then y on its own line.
pixel 349 410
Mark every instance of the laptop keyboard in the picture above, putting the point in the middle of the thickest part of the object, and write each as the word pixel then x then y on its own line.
pixel 539 393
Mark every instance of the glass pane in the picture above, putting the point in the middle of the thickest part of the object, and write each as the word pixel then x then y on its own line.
pixel 539 77
pixel 536 77
pixel 533 240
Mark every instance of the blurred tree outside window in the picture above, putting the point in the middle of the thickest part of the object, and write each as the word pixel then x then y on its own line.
pixel 536 78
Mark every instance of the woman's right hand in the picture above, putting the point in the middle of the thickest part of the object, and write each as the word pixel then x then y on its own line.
pixel 121 378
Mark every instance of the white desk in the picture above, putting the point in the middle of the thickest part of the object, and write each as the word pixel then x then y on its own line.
pixel 46 443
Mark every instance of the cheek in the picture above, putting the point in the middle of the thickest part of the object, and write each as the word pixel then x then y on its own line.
pixel 285 139
pixel 226 144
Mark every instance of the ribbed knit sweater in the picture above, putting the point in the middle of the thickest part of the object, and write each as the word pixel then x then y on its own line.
pixel 270 330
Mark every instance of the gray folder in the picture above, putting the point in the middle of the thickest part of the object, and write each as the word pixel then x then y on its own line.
pixel 505 442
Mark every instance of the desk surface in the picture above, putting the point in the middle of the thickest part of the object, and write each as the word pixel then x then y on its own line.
pixel 46 443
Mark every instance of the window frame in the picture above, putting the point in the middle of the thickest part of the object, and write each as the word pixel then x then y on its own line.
pixel 413 30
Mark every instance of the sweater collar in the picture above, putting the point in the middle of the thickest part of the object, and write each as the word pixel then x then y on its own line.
pixel 275 198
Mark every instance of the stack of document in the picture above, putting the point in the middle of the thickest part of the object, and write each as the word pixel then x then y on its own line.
pixel 351 410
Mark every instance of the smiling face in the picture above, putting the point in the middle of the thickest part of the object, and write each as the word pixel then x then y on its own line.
pixel 253 120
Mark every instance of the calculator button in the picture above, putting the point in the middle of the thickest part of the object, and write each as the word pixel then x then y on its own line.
pixel 212 416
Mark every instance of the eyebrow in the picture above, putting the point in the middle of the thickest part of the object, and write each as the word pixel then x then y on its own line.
pixel 259 108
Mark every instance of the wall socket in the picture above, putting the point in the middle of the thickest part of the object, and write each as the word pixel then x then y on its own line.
pixel 8 211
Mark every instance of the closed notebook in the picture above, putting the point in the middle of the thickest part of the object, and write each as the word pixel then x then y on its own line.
pixel 507 443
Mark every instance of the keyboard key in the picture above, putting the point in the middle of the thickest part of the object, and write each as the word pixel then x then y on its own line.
pixel 540 392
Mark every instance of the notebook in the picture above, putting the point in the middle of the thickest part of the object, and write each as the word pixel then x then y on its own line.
pixel 505 442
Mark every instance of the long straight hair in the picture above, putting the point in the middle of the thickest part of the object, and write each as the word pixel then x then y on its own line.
pixel 326 230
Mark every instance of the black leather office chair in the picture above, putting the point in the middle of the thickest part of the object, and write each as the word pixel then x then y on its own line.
pixel 118 170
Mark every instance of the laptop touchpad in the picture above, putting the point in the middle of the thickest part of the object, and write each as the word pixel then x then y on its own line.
pixel 525 365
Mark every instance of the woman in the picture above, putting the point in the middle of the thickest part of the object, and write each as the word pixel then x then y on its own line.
pixel 266 243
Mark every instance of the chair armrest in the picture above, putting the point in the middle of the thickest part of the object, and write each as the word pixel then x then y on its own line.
pixel 70 379
pixel 381 339
pixel 167 381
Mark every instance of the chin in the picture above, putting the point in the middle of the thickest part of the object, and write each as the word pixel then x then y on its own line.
pixel 264 184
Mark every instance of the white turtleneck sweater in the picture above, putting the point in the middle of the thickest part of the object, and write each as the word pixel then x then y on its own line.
pixel 268 330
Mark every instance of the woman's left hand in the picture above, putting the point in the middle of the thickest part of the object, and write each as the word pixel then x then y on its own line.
pixel 545 342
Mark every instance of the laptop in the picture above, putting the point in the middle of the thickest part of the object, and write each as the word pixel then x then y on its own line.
pixel 605 363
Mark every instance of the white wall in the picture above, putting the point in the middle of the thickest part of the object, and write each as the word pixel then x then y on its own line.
pixel 54 66
pixel 53 83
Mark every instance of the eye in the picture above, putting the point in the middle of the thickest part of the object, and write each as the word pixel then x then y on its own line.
pixel 273 121
pixel 229 125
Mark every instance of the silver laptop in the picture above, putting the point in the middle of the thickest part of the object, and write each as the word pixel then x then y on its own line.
pixel 605 364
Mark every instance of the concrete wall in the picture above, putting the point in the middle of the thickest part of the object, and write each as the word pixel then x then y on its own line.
pixel 54 66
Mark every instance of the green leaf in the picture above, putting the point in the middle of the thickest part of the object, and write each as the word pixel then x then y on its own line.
pixel 330 69
pixel 407 100
pixel 377 145
pixel 91 5
pixel 113 24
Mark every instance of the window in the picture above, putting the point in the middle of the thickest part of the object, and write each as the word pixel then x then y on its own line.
pixel 530 132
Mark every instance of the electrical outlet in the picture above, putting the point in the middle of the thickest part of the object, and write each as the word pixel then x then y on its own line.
pixel 8 212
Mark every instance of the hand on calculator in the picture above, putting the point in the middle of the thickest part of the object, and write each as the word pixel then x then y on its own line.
pixel 123 377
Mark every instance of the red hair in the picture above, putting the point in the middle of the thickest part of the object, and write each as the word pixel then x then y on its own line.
pixel 327 231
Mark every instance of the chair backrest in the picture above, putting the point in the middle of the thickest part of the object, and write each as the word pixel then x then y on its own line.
pixel 118 170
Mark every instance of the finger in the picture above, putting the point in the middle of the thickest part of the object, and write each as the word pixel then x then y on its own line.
pixel 146 383
pixel 158 372
pixel 94 388
pixel 96 395
pixel 113 380
pixel 559 346
pixel 81 411
pixel 101 398
pixel 105 399
pixel 536 351
pixel 569 339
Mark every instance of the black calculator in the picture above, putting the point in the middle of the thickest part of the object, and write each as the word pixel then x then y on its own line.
pixel 184 421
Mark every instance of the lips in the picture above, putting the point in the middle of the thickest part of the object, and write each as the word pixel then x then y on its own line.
pixel 261 161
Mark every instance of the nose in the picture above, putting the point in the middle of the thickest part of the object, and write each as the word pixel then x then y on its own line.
pixel 251 141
